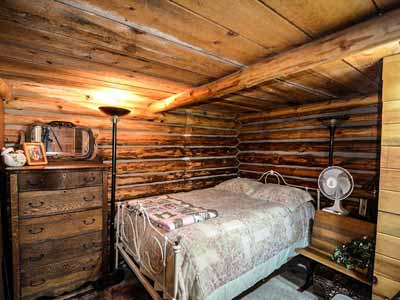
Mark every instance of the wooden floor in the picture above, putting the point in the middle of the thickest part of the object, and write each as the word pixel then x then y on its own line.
pixel 131 289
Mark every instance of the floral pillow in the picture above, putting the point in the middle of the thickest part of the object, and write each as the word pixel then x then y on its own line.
pixel 240 185
pixel 287 195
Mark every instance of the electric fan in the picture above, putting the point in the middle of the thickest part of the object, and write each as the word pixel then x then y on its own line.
pixel 337 184
pixel 334 182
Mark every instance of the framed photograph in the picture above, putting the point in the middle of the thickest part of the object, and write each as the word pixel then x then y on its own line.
pixel 35 154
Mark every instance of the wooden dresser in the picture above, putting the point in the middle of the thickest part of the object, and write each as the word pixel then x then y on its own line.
pixel 55 218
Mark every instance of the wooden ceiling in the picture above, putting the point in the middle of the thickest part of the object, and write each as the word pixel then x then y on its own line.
pixel 151 49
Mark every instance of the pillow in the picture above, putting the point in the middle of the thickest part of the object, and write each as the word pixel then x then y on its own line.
pixel 287 195
pixel 240 185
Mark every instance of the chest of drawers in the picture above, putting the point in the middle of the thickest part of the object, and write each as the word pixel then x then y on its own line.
pixel 55 227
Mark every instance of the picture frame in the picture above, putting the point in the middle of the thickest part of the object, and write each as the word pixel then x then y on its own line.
pixel 35 153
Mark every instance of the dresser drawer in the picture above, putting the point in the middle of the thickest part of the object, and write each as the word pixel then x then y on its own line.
pixel 42 203
pixel 52 251
pixel 46 180
pixel 44 280
pixel 60 226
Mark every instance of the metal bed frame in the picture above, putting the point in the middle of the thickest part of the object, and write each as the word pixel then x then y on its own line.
pixel 168 279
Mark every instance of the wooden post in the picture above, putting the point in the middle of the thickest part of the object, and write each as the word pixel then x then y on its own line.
pixel 5 94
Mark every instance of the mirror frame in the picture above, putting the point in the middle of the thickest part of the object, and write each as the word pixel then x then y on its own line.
pixel 61 155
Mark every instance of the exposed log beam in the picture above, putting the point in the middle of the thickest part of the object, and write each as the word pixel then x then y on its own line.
pixel 308 109
pixel 363 36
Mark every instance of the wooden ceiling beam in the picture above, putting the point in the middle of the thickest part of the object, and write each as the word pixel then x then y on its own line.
pixel 308 109
pixel 360 37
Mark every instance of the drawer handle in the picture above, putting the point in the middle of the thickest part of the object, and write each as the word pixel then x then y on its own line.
pixel 36 231
pixel 86 222
pixel 36 258
pixel 36 183
pixel 37 205
pixel 89 179
pixel 37 282
pixel 89 246
pixel 88 199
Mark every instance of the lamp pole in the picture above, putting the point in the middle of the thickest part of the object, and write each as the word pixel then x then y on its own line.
pixel 114 276
pixel 112 265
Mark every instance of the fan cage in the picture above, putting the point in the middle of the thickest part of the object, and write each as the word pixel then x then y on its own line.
pixel 343 170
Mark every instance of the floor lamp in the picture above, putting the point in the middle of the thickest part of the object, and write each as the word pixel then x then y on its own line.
pixel 114 275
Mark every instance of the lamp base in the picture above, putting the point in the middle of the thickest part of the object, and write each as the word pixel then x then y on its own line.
pixel 109 279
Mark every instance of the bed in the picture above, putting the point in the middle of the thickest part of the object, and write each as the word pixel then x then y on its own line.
pixel 221 257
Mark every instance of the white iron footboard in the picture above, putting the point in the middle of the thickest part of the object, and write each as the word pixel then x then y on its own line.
pixel 160 262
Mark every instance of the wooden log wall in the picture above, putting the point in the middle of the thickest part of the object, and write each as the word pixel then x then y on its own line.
pixel 169 153
pixel 294 142
pixel 75 61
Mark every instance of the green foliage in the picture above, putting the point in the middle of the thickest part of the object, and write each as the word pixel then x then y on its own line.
pixel 357 254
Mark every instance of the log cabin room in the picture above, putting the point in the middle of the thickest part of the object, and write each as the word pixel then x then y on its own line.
pixel 200 149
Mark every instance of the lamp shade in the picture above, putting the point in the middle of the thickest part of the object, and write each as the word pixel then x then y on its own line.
pixel 114 111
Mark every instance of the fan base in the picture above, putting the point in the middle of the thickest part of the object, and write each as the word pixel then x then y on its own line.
pixel 333 210
pixel 336 209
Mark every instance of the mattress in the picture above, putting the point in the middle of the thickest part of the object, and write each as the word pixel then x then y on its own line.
pixel 248 240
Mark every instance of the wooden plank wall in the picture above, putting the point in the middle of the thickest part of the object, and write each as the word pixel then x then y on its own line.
pixel 172 152
pixel 387 256
pixel 295 143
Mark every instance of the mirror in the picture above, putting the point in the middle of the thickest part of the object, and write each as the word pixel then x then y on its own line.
pixel 63 139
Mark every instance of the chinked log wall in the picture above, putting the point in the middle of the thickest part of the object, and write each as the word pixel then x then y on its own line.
pixel 295 143
pixel 176 152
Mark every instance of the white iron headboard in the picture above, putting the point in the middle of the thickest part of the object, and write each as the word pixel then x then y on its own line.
pixel 281 180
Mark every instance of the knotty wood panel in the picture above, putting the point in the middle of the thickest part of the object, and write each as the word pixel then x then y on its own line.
pixel 251 19
pixel 385 287
pixel 390 179
pixel 107 35
pixel 318 17
pixel 390 134
pixel 387 260
pixel 387 245
pixel 172 20
pixel 52 42
pixel 389 266
pixel 389 223
pixel 391 79
pixel 389 201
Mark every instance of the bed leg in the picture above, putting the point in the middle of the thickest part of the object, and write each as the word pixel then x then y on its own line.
pixel 177 256
pixel 309 276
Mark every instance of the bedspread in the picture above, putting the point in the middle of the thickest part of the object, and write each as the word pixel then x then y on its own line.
pixel 247 234
pixel 170 213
